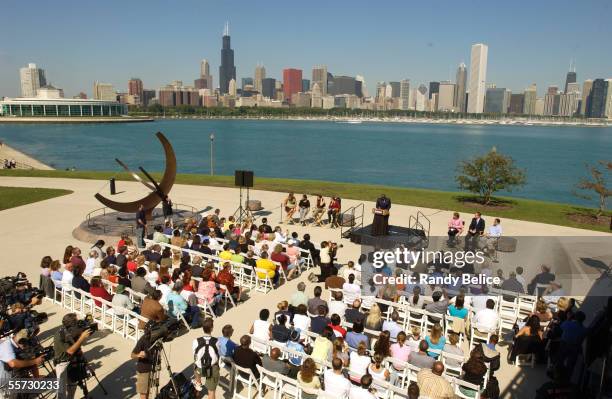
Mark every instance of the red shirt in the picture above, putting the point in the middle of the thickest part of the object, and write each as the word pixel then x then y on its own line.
pixel 338 329
pixel 100 292
pixel 281 258
pixel 131 266
pixel 120 244
pixel 226 278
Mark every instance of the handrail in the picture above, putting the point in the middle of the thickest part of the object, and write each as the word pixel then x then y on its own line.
pixel 356 213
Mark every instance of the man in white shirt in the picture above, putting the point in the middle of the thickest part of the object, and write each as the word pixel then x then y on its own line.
pixel 337 306
pixel 165 289
pixel 350 290
pixel 121 301
pixel 335 383
pixel 486 320
pixel 392 325
pixel 363 391
pixel 520 278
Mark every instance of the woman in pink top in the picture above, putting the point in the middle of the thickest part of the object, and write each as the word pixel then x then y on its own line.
pixel 400 352
pixel 455 227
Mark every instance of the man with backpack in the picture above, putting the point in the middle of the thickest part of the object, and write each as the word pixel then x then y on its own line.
pixel 206 360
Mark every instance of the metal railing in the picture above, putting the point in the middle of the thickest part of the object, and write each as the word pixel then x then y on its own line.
pixel 17 165
pixel 356 220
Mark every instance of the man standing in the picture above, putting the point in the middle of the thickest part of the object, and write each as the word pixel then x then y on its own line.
pixel 67 343
pixel 9 361
pixel 141 226
pixel 380 225
pixel 206 359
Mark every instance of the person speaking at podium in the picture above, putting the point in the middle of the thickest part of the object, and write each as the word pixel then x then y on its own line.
pixel 380 225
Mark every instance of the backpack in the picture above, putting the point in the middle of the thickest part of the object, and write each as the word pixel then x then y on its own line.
pixel 206 361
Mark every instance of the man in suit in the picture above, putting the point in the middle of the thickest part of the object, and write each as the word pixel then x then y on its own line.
pixel 476 229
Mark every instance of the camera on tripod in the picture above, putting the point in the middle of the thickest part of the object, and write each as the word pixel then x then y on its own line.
pixel 87 323
pixel 165 330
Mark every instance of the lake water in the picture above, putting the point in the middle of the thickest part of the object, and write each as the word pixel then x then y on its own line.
pixel 397 154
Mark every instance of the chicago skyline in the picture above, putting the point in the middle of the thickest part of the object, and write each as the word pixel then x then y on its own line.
pixel 387 48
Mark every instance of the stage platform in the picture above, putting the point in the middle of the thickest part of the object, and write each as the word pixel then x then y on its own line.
pixel 409 237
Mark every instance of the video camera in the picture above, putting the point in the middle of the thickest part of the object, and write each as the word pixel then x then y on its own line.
pixel 165 330
pixel 87 323
pixel 17 289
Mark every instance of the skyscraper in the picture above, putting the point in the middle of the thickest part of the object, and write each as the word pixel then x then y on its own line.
pixel 434 87
pixel 268 87
pixel 260 75
pixel 446 96
pixel 292 82
pixel 395 89
pixel 227 69
pixel 598 97
pixel 104 91
pixel 364 88
pixel 529 101
pixel 461 78
pixel 343 85
pixel 232 87
pixel 405 94
pixel 585 104
pixel 206 80
pixel 517 104
pixel 319 76
pixel 571 76
pixel 246 82
pixel 478 78
pixel 552 101
pixel 497 100
pixel 32 79
pixel 305 85
pixel 135 87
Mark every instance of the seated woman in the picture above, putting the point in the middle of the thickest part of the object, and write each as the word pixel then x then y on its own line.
pixel 359 361
pixel 377 370
pixel 226 278
pixel 55 274
pixel 308 380
pixel 543 311
pixel 435 340
pixel 97 290
pixel 281 257
pixel 528 340
pixel 374 319
pixel 207 290
pixel 474 370
pixel 455 227
pixel 290 204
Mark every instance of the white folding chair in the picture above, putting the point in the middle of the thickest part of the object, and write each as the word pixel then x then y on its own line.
pixel 268 382
pixel 262 284
pixel 247 380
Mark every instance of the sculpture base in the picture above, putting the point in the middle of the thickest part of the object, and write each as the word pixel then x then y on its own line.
pixel 108 225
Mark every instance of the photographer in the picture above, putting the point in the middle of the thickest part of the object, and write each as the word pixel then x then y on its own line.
pixel 69 360
pixel 144 356
pixel 9 363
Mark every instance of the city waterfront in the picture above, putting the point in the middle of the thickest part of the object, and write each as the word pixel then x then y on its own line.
pixel 396 154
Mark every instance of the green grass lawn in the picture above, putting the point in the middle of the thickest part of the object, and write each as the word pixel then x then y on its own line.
pixel 521 209
pixel 11 197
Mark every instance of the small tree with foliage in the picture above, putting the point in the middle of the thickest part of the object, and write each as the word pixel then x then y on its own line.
pixel 489 174
pixel 597 184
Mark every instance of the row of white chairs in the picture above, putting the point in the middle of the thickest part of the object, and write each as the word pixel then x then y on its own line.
pixel 124 323
pixel 384 389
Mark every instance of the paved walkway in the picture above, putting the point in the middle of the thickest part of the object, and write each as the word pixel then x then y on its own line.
pixel 45 228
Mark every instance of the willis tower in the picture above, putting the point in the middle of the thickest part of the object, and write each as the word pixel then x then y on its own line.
pixel 227 69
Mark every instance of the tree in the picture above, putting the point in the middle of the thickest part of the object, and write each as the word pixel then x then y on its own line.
pixel 489 174
pixel 597 184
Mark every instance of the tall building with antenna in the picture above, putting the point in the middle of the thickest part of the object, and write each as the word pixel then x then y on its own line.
pixel 227 69
pixel 571 75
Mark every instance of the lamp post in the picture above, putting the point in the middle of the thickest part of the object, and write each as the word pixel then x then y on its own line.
pixel 212 158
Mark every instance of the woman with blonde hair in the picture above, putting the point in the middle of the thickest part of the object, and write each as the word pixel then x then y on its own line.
pixel 543 312
pixel 308 380
pixel 340 350
pixel 374 319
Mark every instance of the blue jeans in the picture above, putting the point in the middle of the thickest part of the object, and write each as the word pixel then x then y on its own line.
pixel 140 233
pixel 193 315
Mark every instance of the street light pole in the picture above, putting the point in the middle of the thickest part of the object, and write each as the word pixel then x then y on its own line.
pixel 212 156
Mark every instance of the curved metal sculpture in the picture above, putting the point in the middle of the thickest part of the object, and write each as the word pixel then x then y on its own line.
pixel 159 191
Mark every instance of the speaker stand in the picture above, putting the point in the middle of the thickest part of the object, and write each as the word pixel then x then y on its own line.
pixel 242 212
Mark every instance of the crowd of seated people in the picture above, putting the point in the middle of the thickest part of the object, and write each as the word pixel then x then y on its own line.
pixel 358 336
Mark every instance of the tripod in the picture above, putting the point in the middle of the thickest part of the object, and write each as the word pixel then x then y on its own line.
pixel 86 372
pixel 243 213
pixel 159 354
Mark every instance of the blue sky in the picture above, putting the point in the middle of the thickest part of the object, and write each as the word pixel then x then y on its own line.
pixel 77 42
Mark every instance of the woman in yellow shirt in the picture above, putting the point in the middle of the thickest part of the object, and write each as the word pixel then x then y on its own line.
pixel 264 263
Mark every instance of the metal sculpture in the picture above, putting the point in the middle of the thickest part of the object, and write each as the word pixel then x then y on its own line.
pixel 159 191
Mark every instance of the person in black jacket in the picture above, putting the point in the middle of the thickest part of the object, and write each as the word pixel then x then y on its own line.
pixel 309 246
pixel 476 229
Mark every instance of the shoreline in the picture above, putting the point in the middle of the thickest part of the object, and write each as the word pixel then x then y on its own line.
pixel 430 121
pixel 73 120
pixel 8 152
